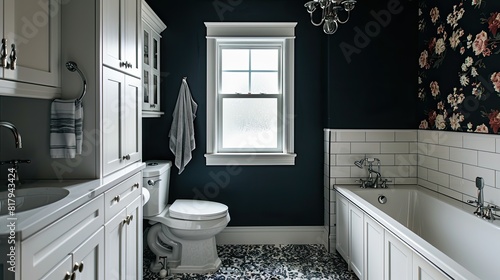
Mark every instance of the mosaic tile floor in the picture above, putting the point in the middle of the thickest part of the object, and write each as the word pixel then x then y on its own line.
pixel 268 262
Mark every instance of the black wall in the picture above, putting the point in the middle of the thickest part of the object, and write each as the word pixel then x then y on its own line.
pixel 375 90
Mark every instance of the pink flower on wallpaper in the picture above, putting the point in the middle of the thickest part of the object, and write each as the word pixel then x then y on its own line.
pixel 494 23
pixel 480 44
pixel 495 78
pixel 482 128
pixel 434 14
pixel 494 117
pixel 434 88
pixel 424 124
pixel 422 61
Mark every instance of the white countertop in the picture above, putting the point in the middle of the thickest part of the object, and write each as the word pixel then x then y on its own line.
pixel 80 191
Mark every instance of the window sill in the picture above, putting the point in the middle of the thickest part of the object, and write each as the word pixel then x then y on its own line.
pixel 250 159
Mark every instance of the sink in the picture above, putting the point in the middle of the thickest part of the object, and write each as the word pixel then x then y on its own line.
pixel 31 198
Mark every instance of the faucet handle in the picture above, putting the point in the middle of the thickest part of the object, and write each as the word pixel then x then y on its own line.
pixel 479 183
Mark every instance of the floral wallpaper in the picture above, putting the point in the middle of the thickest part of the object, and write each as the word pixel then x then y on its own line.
pixel 459 65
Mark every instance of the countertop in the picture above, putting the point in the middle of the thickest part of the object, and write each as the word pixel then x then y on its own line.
pixel 80 191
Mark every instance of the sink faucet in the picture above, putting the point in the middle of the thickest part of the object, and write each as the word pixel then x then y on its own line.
pixel 14 131
pixel 372 182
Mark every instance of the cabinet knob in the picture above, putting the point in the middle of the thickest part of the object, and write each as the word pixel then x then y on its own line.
pixel 67 276
pixel 3 53
pixel 116 198
pixel 128 219
pixel 127 157
pixel 78 267
pixel 129 65
pixel 13 58
pixel 152 106
pixel 123 64
pixel 136 185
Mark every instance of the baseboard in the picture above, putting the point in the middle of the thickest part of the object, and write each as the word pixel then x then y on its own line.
pixel 273 235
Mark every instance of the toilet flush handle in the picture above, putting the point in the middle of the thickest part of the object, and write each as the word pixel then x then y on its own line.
pixel 153 182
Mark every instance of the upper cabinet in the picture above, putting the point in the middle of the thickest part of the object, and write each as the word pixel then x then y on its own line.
pixel 121 22
pixel 152 28
pixel 30 32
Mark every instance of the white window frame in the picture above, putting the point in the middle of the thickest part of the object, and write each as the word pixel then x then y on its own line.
pixel 241 33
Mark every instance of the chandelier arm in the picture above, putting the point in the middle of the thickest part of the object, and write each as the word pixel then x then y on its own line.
pixel 346 20
pixel 317 24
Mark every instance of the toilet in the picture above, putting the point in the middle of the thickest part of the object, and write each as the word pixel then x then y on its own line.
pixel 183 233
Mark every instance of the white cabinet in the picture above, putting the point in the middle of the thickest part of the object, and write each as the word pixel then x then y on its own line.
pixel 398 259
pixel 373 249
pixel 342 228
pixel 122 122
pixel 356 242
pixel 77 238
pixel 30 33
pixel 152 28
pixel 121 25
pixel 423 270
pixel 124 230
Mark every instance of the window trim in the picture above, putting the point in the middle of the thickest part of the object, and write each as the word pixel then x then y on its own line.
pixel 247 32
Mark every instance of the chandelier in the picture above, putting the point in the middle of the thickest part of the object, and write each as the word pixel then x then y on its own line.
pixel 330 18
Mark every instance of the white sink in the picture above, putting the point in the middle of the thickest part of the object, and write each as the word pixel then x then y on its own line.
pixel 30 198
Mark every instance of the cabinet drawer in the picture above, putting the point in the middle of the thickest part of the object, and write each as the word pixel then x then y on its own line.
pixel 121 195
pixel 44 250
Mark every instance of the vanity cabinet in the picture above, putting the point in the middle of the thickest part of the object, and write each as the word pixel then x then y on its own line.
pixel 122 122
pixel 152 28
pixel 121 43
pixel 124 230
pixel 73 245
pixel 30 33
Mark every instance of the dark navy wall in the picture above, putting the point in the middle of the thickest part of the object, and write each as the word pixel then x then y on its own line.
pixel 327 91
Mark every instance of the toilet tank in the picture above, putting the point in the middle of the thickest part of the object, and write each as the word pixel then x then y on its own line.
pixel 156 179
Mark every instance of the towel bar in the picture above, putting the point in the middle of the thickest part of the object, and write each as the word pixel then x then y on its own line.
pixel 73 67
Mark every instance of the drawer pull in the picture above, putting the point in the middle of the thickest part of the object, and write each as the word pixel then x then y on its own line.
pixel 136 185
pixel 3 53
pixel 127 157
pixel 116 198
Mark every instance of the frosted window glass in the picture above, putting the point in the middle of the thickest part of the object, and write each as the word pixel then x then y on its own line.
pixel 250 123
pixel 265 83
pixel 265 59
pixel 235 59
pixel 235 82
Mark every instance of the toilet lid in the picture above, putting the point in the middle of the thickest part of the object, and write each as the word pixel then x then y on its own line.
pixel 188 209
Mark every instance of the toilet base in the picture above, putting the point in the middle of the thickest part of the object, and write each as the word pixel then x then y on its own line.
pixel 198 256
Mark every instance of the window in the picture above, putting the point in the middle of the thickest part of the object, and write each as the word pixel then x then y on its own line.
pixel 250 89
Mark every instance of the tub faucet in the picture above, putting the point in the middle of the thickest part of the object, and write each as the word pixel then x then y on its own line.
pixel 481 209
pixel 14 131
pixel 372 182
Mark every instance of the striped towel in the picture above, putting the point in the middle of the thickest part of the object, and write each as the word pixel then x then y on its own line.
pixel 66 128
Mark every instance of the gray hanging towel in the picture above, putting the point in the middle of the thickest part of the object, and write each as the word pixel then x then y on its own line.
pixel 182 131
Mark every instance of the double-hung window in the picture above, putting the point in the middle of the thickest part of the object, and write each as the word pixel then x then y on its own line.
pixel 250 89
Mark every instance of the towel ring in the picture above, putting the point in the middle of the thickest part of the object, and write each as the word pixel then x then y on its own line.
pixel 73 67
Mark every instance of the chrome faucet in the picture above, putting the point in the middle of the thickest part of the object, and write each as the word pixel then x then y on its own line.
pixel 13 129
pixel 485 212
pixel 372 182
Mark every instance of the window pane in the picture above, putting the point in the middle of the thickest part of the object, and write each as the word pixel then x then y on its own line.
pixel 265 83
pixel 265 59
pixel 249 123
pixel 235 59
pixel 234 82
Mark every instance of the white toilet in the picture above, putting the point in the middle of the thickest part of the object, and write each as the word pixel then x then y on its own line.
pixel 183 232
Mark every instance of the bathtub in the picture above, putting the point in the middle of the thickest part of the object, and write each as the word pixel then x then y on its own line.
pixel 440 229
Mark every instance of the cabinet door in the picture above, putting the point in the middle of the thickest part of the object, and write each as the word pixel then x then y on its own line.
pixel 34 28
pixel 122 128
pixel 423 270
pixel 398 259
pixel 374 249
pixel 60 271
pixel 342 228
pixel 356 242
pixel 133 229
pixel 89 258
pixel 115 247
pixel 120 35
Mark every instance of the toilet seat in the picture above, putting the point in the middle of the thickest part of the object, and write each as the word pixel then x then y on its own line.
pixel 197 210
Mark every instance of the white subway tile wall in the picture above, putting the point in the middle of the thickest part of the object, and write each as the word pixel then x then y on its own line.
pixel 446 162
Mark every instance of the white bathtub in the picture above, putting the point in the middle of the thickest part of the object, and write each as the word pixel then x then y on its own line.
pixel 440 229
